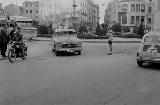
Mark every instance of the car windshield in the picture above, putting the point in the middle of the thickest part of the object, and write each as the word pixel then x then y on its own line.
pixel 153 38
pixel 63 33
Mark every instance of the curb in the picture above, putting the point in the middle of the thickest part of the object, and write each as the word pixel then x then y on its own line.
pixel 113 41
pixel 84 41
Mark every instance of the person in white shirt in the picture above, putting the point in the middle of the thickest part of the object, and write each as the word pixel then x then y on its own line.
pixel 110 39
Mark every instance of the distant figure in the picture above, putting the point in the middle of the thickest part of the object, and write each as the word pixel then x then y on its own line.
pixel 12 33
pixel 110 39
pixel 4 41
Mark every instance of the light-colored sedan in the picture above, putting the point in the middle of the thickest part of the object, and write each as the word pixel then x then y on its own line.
pixel 149 50
pixel 65 40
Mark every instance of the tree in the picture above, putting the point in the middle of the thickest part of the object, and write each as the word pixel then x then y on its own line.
pixel 82 29
pixel 104 29
pixel 98 30
pixel 42 29
pixel 116 28
pixel 125 29
pixel 140 30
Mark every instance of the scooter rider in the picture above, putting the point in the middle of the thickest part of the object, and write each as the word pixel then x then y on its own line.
pixel 18 38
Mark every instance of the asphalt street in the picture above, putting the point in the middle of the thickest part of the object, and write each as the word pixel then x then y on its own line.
pixel 92 78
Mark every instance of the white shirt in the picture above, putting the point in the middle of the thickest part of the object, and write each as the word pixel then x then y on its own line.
pixel 110 36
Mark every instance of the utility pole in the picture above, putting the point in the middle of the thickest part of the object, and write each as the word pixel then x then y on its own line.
pixel 55 12
pixel 74 11
pixel 55 7
pixel 16 2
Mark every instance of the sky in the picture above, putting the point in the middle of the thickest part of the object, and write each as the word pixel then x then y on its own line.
pixel 102 4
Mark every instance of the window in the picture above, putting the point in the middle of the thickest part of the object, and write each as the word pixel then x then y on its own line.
pixel 30 4
pixel 150 0
pixel 142 7
pixel 150 9
pixel 132 19
pixel 132 7
pixel 26 11
pixel 137 19
pixel 137 7
pixel 26 5
pixel 37 11
pixel 142 19
pixel 30 11
pixel 149 20
pixel 124 19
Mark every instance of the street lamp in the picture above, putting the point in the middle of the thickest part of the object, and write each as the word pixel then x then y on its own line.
pixel 74 11
pixel 74 8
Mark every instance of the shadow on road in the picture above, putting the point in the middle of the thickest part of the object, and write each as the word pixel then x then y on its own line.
pixel 65 54
pixel 152 66
pixel 1 59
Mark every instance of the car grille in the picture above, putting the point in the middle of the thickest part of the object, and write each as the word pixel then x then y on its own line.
pixel 146 47
pixel 69 45
pixel 158 48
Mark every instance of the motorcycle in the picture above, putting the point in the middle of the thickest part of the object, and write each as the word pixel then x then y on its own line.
pixel 12 56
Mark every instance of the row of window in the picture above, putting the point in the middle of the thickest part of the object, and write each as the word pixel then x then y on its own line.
pixel 30 11
pixel 139 19
pixel 130 0
pixel 136 8
pixel 31 5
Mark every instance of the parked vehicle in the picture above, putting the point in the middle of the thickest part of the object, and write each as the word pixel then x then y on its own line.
pixel 149 50
pixel 12 54
pixel 25 23
pixel 65 40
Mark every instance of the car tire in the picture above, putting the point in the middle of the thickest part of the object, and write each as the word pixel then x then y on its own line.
pixel 79 53
pixel 56 53
pixel 140 63
pixel 53 49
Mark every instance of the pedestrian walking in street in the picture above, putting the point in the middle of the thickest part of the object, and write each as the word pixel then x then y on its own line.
pixel 110 39
pixel 4 41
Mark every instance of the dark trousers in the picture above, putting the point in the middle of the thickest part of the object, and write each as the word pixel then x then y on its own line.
pixel 3 49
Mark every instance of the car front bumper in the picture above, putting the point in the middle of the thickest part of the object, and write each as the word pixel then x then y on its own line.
pixel 69 49
pixel 150 60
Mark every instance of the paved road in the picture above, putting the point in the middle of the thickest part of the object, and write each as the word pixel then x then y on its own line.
pixel 93 78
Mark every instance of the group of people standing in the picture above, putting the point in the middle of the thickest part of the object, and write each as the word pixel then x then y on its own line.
pixel 5 38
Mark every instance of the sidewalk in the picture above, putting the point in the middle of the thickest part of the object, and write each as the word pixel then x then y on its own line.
pixel 116 40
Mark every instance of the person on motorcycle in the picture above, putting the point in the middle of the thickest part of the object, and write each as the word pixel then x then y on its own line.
pixel 18 39
pixel 11 34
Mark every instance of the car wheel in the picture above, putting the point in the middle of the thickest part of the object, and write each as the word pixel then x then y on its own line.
pixel 79 53
pixel 140 63
pixel 56 53
pixel 53 49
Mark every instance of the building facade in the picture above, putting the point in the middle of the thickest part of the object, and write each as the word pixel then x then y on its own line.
pixel 86 12
pixel 12 10
pixel 49 10
pixel 134 12
pixel 157 15
pixel 31 9
pixel 110 14
pixel 1 10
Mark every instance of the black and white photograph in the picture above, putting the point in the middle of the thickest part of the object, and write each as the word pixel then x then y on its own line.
pixel 79 52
